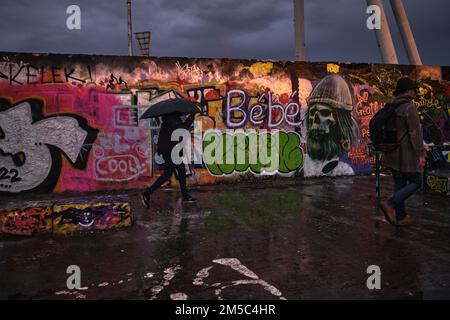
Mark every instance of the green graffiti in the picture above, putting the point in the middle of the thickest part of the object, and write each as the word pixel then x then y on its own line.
pixel 291 154
pixel 225 153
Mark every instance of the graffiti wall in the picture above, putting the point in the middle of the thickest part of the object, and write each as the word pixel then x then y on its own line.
pixel 65 217
pixel 71 122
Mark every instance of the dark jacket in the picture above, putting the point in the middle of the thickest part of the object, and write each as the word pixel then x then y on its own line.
pixel 406 157
pixel 170 123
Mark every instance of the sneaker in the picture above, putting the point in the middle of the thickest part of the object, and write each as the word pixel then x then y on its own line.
pixel 189 198
pixel 145 201
pixel 406 221
pixel 389 213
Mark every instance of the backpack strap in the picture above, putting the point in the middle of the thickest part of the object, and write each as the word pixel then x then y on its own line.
pixel 404 135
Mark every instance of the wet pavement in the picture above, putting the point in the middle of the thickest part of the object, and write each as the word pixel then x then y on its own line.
pixel 288 239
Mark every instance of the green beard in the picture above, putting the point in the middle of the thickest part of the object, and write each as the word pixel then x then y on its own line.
pixel 322 146
pixel 326 146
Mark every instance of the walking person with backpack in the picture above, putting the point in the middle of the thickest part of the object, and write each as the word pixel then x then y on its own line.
pixel 396 131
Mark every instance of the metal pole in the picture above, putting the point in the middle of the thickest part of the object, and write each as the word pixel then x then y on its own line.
pixel 377 174
pixel 299 28
pixel 406 32
pixel 384 37
pixel 130 33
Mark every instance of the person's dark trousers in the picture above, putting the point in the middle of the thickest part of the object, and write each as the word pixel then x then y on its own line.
pixel 169 169
pixel 405 185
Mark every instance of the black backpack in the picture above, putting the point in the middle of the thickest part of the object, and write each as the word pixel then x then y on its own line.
pixel 383 127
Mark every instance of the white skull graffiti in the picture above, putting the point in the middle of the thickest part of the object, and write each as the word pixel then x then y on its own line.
pixel 321 117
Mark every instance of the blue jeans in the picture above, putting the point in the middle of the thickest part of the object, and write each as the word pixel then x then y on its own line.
pixel 405 185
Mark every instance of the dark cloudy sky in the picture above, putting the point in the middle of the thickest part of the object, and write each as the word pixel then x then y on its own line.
pixel 260 29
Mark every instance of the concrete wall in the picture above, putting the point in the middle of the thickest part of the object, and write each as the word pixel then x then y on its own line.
pixel 70 122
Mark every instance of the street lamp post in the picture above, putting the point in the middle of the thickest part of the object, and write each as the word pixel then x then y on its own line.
pixel 130 33
pixel 299 29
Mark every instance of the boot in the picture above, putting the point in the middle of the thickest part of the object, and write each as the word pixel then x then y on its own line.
pixel 389 213
pixel 406 221
pixel 188 198
pixel 145 200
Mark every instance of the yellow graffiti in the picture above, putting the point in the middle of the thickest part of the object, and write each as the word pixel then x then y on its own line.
pixel 425 97
pixel 215 111
pixel 437 184
pixel 261 69
pixel 424 89
pixel 332 68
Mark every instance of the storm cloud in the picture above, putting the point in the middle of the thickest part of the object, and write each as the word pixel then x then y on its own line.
pixel 251 29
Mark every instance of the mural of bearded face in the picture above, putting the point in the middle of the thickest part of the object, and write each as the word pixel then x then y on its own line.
pixel 321 129
pixel 330 123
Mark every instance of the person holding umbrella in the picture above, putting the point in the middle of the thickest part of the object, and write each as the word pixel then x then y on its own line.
pixel 172 112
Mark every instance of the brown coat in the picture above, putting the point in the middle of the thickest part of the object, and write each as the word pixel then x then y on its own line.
pixel 406 157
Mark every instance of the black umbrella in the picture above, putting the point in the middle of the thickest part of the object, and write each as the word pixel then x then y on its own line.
pixel 170 106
